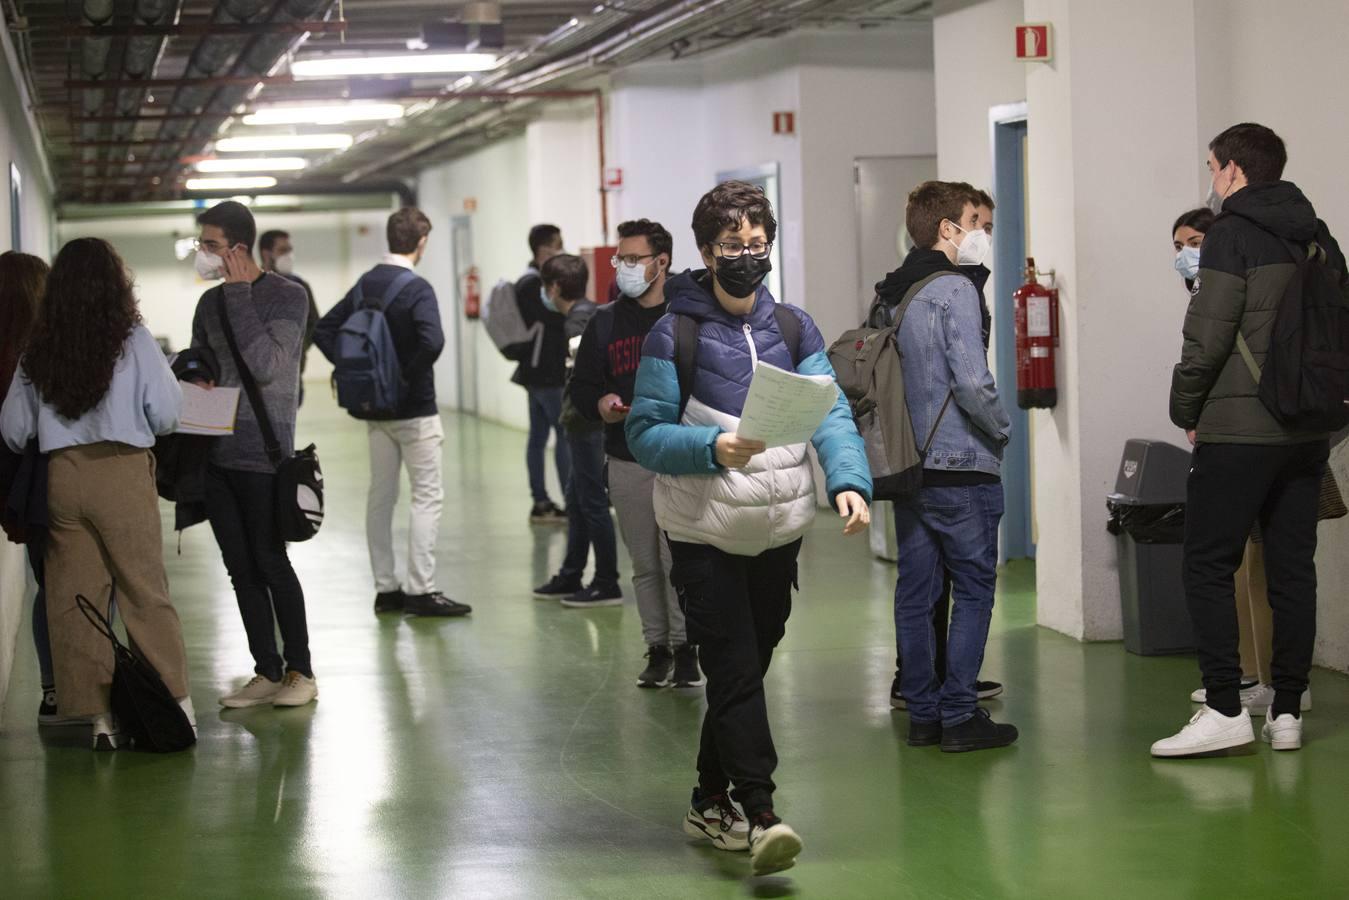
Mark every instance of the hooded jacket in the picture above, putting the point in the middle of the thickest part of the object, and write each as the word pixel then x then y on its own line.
pixel 771 502
pixel 1244 269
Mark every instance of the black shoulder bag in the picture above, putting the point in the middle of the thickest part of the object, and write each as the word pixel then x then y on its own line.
pixel 299 478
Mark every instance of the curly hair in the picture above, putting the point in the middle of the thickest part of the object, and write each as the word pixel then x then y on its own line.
pixel 87 313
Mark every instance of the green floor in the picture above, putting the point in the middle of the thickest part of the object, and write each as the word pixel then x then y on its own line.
pixel 511 755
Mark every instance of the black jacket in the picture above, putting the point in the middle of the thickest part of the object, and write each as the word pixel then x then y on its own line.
pixel 312 322
pixel 414 323
pixel 607 361
pixel 1244 269
pixel 180 459
pixel 552 368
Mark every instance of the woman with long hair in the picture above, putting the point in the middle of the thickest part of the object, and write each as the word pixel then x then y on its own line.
pixel 95 389
pixel 22 279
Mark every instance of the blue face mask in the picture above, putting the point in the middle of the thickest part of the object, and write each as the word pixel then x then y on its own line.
pixel 1187 263
pixel 548 303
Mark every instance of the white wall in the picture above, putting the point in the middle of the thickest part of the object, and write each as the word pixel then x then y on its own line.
pixel 332 249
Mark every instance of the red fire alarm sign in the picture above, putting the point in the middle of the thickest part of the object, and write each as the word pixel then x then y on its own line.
pixel 784 123
pixel 1034 43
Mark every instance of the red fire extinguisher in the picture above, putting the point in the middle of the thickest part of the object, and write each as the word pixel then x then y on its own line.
pixel 1036 310
pixel 472 294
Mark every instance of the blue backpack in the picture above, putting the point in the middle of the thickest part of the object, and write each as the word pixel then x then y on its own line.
pixel 366 371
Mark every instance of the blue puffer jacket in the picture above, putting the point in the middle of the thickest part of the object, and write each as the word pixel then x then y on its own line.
pixel 770 502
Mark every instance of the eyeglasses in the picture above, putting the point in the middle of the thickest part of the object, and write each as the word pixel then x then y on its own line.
pixel 632 259
pixel 735 249
pixel 209 246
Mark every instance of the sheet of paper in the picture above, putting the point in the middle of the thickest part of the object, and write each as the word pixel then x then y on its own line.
pixel 209 412
pixel 785 408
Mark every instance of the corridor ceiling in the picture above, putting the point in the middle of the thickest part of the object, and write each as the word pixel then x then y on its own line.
pixel 132 97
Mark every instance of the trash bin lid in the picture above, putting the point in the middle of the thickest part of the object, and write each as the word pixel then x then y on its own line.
pixel 1151 472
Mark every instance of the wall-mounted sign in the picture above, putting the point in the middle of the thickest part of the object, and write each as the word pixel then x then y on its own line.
pixel 784 123
pixel 470 204
pixel 1035 42
pixel 613 179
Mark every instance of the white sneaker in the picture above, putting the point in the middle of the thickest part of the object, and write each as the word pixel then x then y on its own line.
pixel 1258 698
pixel 107 733
pixel 717 820
pixel 773 848
pixel 259 691
pixel 296 690
pixel 1283 732
pixel 1207 731
pixel 186 705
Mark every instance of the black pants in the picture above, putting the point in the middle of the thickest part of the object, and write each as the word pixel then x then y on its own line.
pixel 736 609
pixel 941 624
pixel 1231 487
pixel 242 510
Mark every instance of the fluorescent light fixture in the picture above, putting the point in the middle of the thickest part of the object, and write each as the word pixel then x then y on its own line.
pixel 253 164
pixel 266 143
pixel 403 64
pixel 231 184
pixel 325 115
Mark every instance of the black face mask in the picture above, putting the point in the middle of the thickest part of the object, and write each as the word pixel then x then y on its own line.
pixel 741 277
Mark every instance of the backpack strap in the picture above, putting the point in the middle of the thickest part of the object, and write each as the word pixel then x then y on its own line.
pixel 402 280
pixel 269 442
pixel 685 357
pixel 790 328
pixel 1248 357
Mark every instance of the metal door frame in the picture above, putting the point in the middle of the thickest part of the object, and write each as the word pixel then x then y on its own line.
pixel 459 318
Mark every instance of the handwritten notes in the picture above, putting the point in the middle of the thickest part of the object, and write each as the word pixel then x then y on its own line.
pixel 209 412
pixel 785 408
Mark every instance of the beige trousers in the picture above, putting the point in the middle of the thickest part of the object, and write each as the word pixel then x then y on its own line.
pixel 105 528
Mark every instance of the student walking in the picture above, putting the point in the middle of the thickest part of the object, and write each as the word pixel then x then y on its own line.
pixel 95 390
pixel 735 511
pixel 602 390
pixel 410 433
pixel 267 315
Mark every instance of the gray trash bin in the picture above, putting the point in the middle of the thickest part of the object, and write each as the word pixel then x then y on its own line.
pixel 1147 513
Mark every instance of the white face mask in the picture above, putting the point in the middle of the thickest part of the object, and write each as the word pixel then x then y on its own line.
pixel 972 251
pixel 209 266
pixel 1187 262
pixel 285 264
pixel 632 280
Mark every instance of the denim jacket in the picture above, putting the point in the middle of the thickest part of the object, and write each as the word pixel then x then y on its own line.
pixel 942 352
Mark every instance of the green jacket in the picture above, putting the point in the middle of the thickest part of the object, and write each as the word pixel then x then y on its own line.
pixel 1244 269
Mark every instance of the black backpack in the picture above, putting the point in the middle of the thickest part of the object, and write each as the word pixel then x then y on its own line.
pixel 686 347
pixel 143 705
pixel 1305 380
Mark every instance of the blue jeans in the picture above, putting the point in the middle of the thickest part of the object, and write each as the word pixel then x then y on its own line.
pixel 588 520
pixel 951 529
pixel 545 409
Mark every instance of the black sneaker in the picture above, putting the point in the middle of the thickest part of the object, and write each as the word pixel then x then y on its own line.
pixel 686 671
pixel 389 601
pixel 557 588
pixel 979 732
pixel 548 513
pixel 660 663
pixel 924 734
pixel 49 714
pixel 773 845
pixel 434 604
pixel 897 700
pixel 593 596
pixel 987 690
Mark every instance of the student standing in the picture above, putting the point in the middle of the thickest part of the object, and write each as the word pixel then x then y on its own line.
pixel 736 512
pixel 267 314
pixel 951 524
pixel 278 256
pixel 602 390
pixel 589 524
pixel 95 390
pixel 543 382
pixel 1248 467
pixel 411 435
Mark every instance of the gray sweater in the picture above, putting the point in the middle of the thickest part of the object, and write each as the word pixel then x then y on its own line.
pixel 268 317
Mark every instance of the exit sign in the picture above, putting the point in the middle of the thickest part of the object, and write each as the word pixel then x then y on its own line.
pixel 784 123
pixel 1035 42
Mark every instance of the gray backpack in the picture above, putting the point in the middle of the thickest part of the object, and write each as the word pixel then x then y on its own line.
pixel 516 340
pixel 866 363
